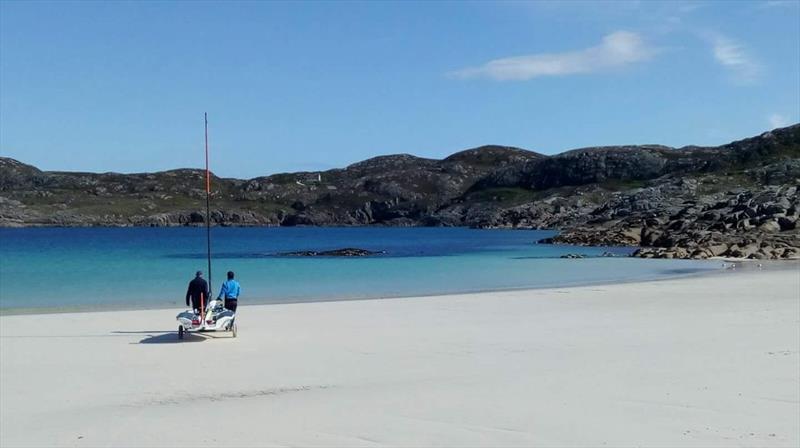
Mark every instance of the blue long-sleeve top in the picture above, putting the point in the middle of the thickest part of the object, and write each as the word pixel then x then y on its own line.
pixel 230 290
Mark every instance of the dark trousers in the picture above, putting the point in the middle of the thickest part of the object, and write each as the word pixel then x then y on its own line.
pixel 196 304
pixel 230 304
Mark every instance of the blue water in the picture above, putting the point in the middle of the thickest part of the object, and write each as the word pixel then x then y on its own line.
pixel 150 267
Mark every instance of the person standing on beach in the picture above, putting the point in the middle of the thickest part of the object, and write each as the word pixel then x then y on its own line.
pixel 230 291
pixel 198 292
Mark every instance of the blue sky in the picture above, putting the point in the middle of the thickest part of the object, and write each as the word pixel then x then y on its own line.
pixel 115 86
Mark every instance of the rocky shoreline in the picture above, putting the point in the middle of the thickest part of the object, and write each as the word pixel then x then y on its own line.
pixel 746 224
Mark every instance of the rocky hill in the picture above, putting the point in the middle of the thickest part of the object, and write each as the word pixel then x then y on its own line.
pixel 388 190
pixel 739 199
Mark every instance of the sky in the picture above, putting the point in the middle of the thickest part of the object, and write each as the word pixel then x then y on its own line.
pixel 305 86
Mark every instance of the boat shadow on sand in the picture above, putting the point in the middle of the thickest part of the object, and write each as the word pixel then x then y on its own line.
pixel 168 337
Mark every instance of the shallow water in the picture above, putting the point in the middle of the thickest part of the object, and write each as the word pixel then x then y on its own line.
pixel 54 268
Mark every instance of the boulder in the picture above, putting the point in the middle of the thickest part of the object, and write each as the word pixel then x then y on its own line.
pixel 717 249
pixel 770 225
pixel 787 223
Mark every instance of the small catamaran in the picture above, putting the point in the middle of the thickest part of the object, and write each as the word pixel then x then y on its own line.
pixel 212 316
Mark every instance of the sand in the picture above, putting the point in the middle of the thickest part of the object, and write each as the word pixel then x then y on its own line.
pixel 704 361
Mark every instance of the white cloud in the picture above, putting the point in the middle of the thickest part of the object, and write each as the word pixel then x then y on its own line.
pixel 733 56
pixel 778 121
pixel 616 50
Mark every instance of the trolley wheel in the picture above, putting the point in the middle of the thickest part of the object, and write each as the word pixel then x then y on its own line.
pixel 180 331
pixel 235 329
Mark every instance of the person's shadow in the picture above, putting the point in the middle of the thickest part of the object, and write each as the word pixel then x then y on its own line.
pixel 165 337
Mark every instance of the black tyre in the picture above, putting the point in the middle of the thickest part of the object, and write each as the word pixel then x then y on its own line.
pixel 180 331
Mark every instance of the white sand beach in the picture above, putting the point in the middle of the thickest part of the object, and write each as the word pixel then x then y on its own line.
pixel 703 361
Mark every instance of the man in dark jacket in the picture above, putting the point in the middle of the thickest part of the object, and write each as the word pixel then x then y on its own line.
pixel 197 288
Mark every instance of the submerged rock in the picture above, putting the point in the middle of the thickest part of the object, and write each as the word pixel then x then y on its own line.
pixel 345 252
pixel 573 256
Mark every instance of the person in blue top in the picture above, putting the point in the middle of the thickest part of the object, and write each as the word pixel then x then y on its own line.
pixel 230 292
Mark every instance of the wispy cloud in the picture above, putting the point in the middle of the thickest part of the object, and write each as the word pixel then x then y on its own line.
pixel 776 4
pixel 687 7
pixel 733 56
pixel 618 49
pixel 778 121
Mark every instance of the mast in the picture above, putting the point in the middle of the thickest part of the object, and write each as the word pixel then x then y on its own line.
pixel 208 207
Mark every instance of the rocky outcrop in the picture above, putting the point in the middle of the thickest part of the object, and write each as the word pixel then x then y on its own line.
pixel 759 223
pixel 620 164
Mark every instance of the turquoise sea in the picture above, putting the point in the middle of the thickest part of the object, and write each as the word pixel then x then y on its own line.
pixel 111 268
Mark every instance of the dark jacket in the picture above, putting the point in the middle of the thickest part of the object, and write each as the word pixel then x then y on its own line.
pixel 197 287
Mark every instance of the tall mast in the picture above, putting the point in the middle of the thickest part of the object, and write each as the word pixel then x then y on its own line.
pixel 208 206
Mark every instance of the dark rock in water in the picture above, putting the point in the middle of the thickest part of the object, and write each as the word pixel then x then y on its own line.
pixel 346 252
pixel 573 256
